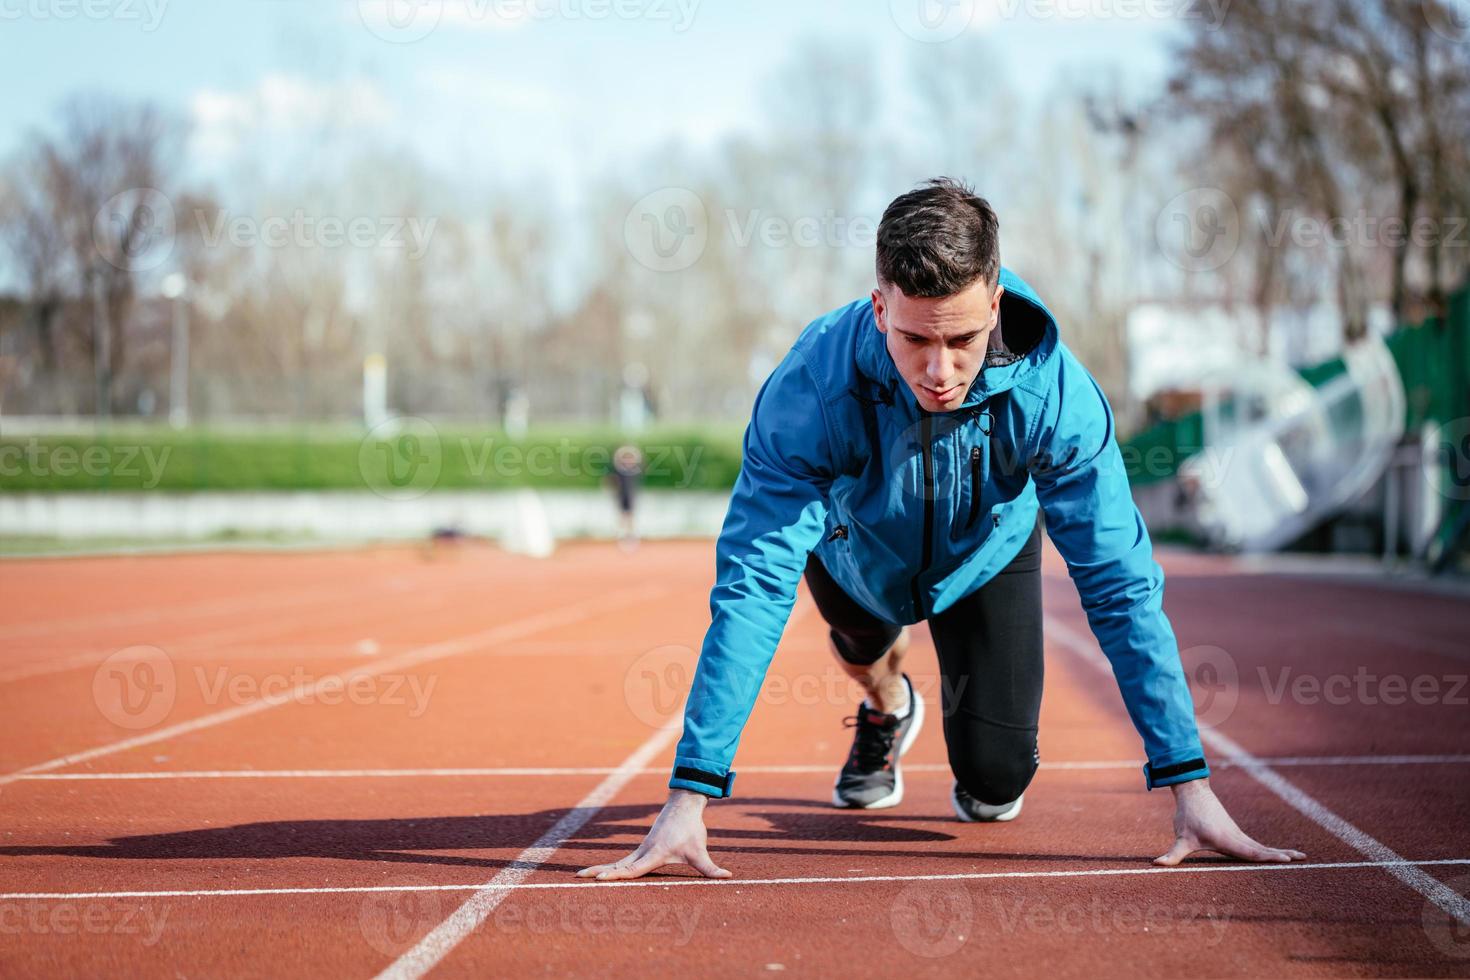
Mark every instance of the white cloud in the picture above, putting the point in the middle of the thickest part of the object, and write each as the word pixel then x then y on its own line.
pixel 485 14
pixel 469 86
pixel 411 20
pixel 987 16
pixel 284 106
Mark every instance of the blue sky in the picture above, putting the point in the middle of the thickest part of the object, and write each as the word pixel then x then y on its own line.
pixel 568 85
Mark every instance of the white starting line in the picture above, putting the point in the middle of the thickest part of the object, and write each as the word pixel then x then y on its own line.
pixel 736 883
pixel 487 896
pixel 554 771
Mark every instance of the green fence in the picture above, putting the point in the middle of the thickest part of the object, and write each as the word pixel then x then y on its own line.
pixel 1434 360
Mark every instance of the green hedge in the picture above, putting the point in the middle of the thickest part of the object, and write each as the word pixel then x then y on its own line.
pixel 132 458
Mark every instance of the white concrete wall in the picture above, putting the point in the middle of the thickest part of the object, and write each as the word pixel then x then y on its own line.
pixel 347 516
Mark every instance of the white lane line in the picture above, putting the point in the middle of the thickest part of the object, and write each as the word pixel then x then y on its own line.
pixel 338 682
pixel 1399 635
pixel 467 918
pixel 738 883
pixel 1452 903
pixel 925 767
pixel 270 600
pixel 179 648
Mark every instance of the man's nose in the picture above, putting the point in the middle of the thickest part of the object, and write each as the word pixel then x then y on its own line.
pixel 941 365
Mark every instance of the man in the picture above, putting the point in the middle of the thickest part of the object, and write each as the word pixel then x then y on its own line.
pixel 626 471
pixel 902 457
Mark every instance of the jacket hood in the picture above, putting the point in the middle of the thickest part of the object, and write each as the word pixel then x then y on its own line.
pixel 1025 331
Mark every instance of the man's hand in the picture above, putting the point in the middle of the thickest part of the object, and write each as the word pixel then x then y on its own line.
pixel 676 837
pixel 1201 824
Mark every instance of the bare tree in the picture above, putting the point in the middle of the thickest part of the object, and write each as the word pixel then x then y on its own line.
pixel 963 101
pixel 32 236
pixel 824 109
pixel 109 171
pixel 1322 106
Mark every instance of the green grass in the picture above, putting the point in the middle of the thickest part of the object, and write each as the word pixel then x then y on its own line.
pixel 415 459
pixel 29 546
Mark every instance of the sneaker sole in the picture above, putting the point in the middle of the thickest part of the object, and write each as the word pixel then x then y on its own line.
pixel 896 797
pixel 1006 817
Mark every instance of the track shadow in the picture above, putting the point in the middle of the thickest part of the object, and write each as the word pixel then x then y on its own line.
pixel 793 827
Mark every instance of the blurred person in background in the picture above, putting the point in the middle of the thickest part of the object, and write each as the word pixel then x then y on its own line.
pixel 626 472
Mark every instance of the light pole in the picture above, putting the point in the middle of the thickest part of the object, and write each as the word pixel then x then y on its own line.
pixel 174 287
pixel 101 347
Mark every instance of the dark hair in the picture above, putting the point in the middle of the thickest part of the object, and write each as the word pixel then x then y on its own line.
pixel 938 240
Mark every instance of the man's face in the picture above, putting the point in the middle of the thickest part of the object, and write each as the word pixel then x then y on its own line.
pixel 938 345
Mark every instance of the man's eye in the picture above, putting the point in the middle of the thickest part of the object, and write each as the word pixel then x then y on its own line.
pixel 914 340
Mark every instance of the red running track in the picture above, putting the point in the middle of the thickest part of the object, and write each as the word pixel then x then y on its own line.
pixel 393 760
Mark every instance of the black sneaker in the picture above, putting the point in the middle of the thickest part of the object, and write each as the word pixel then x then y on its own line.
pixel 871 779
pixel 971 810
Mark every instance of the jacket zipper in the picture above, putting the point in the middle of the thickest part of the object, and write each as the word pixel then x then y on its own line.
pixel 927 447
pixel 974 486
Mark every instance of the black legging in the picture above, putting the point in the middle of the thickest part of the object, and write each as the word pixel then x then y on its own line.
pixel 990 660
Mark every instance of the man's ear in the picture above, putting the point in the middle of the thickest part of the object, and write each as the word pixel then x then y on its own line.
pixel 879 311
pixel 995 300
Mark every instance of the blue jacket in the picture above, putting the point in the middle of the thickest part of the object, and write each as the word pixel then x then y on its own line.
pixel 910 511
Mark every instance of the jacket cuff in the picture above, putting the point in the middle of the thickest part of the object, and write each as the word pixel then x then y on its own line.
pixel 702 777
pixel 1178 772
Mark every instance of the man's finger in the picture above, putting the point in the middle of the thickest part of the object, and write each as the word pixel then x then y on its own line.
pixel 1181 850
pixel 599 869
pixel 634 869
pixel 1248 848
pixel 700 861
pixel 1274 854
